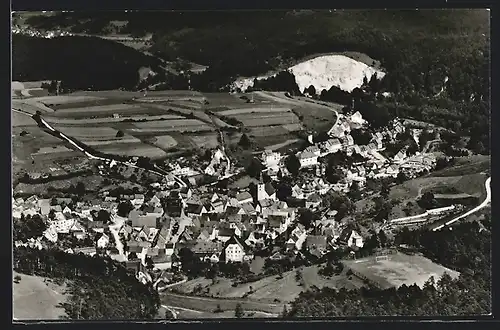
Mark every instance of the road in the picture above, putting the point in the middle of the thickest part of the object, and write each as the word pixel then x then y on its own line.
pixel 114 228
pixel 486 201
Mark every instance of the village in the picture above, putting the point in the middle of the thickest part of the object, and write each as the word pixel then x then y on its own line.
pixel 148 231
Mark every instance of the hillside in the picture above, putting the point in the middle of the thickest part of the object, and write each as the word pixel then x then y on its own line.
pixel 79 62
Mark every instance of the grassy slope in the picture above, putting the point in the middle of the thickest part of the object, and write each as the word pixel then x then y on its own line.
pixel 36 300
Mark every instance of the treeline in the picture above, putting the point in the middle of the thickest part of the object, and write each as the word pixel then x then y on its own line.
pixel 100 288
pixel 418 49
pixel 465 248
pixel 80 63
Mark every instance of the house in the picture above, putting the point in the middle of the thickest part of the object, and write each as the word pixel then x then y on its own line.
pixel 102 240
pixel 224 234
pixel 78 231
pixel 161 260
pixel 50 234
pixel 308 159
pixel 248 209
pixel 357 119
pixel 400 156
pixel 255 239
pixel 126 230
pixel 271 159
pixel 85 250
pixel 67 211
pixel 161 238
pixel 392 170
pixel 349 141
pixel 96 226
pixel 138 200
pixel 333 145
pixel 265 191
pixel 203 236
pixel 297 192
pixel 193 210
pixel 336 131
pixel 244 197
pixel 313 200
pixel 173 203
pixel 351 238
pixel 154 201
pixel 277 223
pixel 314 150
pixel 62 225
pixel 235 251
pixel 207 250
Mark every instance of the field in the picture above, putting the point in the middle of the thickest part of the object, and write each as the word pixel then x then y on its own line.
pixel 165 120
pixel 36 300
pixel 466 165
pixel 164 141
pixel 19 119
pixel 95 136
pixel 399 269
pixel 209 304
pixel 63 99
pixel 132 149
pixel 271 289
pixel 104 111
pixel 107 120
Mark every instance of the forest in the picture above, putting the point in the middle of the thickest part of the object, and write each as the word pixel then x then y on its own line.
pixel 99 288
pixel 466 248
pixel 80 63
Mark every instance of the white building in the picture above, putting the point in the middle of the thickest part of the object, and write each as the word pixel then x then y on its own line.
pixel 271 159
pixel 308 159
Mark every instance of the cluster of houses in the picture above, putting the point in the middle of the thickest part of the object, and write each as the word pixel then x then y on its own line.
pixel 368 161
pixel 215 227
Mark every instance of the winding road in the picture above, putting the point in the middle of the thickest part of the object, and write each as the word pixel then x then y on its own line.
pixel 486 201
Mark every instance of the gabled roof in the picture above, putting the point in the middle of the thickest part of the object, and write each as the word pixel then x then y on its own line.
pixel 226 232
pixel 243 196
pixel 268 187
pixel 194 208
pixel 232 210
pixel 248 208
pixel 306 155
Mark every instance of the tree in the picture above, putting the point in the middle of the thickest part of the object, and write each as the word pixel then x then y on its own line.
pixel 120 134
pixel 292 164
pixel 306 217
pixel 254 169
pixel 284 313
pixel 103 216
pixel 245 142
pixel 354 192
pixel 80 188
pixel 382 237
pixel 402 177
pixel 238 311
pixel 124 208
pixel 310 90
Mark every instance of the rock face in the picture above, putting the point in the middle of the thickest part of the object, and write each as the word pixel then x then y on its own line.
pixel 323 72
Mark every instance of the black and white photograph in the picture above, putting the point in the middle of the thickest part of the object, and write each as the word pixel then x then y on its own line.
pixel 271 164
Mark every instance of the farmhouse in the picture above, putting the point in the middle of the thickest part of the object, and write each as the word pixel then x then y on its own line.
pixel 351 238
pixel 235 251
